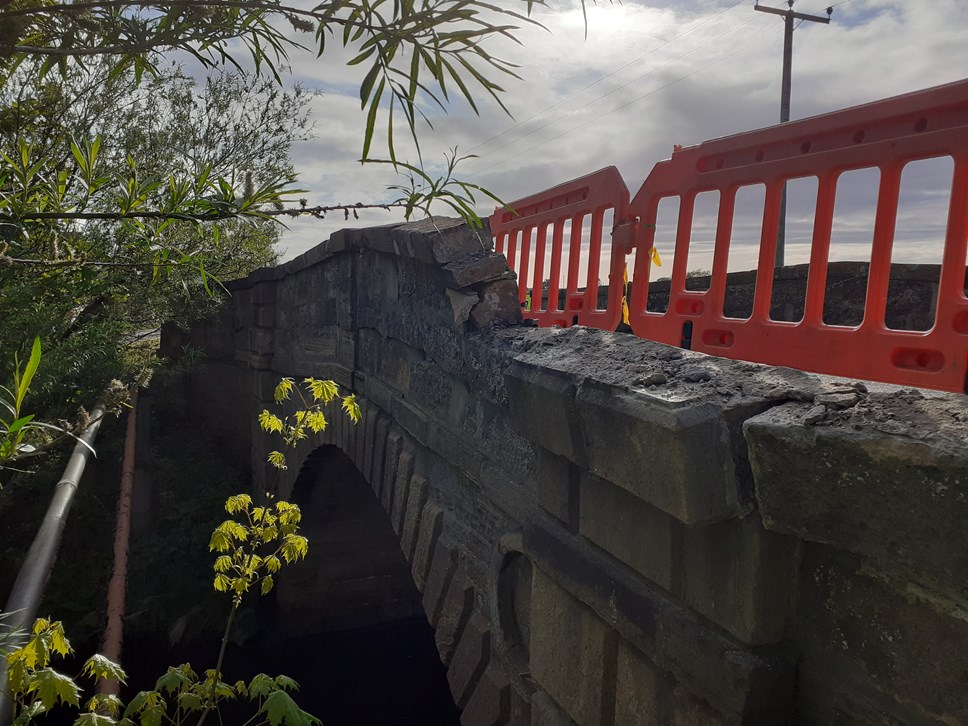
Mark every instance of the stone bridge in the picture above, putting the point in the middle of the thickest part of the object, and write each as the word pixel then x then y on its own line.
pixel 600 529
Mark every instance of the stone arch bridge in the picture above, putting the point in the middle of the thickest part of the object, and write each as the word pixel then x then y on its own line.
pixel 603 530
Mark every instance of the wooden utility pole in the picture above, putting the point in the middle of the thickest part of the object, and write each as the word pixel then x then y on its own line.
pixel 788 15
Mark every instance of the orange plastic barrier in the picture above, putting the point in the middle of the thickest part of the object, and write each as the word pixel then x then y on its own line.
pixel 884 136
pixel 533 232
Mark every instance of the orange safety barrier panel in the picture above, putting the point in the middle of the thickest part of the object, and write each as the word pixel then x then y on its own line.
pixel 884 136
pixel 578 213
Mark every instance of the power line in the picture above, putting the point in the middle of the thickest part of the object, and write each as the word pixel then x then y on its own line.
pixel 614 90
pixel 626 105
pixel 608 75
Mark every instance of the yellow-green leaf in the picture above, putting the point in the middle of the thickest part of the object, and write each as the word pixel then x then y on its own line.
pixel 277 459
pixel 324 391
pixel 270 422
pixel 283 390
pixel 352 408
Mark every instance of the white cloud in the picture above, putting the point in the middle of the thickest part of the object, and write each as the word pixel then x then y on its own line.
pixel 721 77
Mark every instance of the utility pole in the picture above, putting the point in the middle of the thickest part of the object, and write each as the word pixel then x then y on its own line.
pixel 788 15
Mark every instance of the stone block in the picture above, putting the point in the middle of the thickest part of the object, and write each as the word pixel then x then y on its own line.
pixel 558 489
pixel 638 534
pixel 461 304
pixel 369 425
pixel 638 689
pixel 262 341
pixel 741 577
pixel 368 350
pixel 542 404
pixel 411 520
pixel 572 653
pixel 358 448
pixel 500 305
pixel 379 393
pixel 380 437
pixel 394 449
pixel 264 316
pixel 475 268
pixel 378 239
pixel 458 451
pixel 879 634
pixel 520 709
pixel 752 686
pixel 449 238
pixel 396 363
pixel 887 478
pixel 411 419
pixel 346 349
pixel 675 456
pixel 490 704
pixel 443 564
pixel 471 657
pixel 455 611
pixel 685 708
pixel 401 490
pixel 431 525
pixel 545 712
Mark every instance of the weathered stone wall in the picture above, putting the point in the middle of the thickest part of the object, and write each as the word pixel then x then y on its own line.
pixel 605 530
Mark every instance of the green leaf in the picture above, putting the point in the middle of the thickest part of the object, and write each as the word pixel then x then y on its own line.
pixel 261 685
pixel 176 679
pixel 189 701
pixel 371 118
pixel 52 688
pixel 279 708
pixel 94 719
pixel 29 713
pixel 28 373
pixel 99 667
pixel 105 703
pixel 145 701
pixel 20 423
pixel 286 683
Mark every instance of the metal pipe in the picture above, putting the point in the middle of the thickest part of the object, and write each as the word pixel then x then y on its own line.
pixel 35 571
pixel 114 632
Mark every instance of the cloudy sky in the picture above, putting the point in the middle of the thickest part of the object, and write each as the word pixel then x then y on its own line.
pixel 651 74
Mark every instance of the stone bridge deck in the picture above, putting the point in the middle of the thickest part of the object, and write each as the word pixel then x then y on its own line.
pixel 607 531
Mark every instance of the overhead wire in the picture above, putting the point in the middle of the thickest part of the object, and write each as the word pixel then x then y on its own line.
pixel 607 76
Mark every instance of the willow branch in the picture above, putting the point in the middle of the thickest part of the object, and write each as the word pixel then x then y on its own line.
pixel 317 211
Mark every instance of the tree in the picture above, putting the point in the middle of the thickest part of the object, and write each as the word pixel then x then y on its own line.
pixel 413 52
pixel 90 220
pixel 87 311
